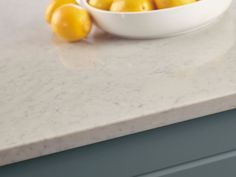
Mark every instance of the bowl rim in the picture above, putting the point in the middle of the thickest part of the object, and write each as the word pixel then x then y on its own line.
pixel 171 9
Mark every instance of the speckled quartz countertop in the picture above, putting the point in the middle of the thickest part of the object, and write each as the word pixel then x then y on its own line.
pixel 56 96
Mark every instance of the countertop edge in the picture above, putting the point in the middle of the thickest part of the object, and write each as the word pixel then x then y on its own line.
pixel 131 126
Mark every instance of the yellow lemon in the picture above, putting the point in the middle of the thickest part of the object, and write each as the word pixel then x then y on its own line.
pixel 71 22
pixel 101 4
pixel 161 4
pixel 54 5
pixel 132 5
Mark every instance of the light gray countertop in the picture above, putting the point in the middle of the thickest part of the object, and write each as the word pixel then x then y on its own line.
pixel 56 96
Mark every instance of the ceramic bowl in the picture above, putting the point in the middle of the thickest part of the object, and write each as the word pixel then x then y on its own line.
pixel 158 23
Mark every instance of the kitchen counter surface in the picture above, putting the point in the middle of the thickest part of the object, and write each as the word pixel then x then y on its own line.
pixel 55 96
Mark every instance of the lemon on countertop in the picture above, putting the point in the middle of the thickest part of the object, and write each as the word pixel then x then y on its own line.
pixel 54 5
pixel 101 4
pixel 132 5
pixel 71 22
pixel 161 4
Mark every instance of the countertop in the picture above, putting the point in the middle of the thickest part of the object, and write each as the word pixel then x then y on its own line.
pixel 55 96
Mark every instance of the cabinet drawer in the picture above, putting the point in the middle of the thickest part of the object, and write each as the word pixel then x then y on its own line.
pixel 221 165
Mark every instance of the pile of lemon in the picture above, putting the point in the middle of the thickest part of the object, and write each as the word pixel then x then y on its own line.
pixel 73 23
pixel 136 5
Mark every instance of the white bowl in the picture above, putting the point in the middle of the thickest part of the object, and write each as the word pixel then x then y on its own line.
pixel 158 23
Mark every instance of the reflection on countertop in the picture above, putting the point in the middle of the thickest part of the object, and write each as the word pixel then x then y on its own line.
pixel 198 48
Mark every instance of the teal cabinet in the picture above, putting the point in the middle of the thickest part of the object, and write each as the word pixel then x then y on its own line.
pixel 154 153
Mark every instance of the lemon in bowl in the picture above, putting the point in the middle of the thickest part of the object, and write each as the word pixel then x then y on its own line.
pixel 101 4
pixel 161 4
pixel 132 6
